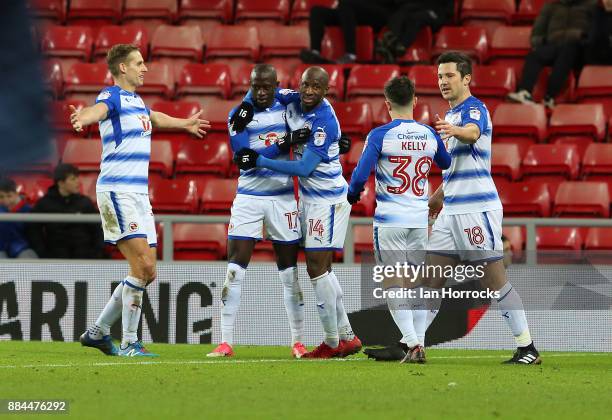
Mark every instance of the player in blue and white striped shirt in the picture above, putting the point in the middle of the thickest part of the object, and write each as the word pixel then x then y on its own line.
pixel 469 226
pixel 402 153
pixel 126 124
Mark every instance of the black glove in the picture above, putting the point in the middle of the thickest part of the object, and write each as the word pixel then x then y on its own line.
pixel 295 137
pixel 246 159
pixel 242 117
pixel 353 198
pixel 344 143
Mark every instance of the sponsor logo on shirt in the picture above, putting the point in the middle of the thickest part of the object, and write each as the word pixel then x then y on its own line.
pixel 319 138
pixel 104 95
pixel 146 125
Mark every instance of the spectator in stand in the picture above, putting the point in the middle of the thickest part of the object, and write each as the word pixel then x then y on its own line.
pixel 558 34
pixel 66 240
pixel 406 23
pixel 13 239
pixel 347 15
pixel 600 40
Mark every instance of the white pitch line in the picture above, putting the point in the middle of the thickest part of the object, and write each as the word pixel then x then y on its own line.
pixel 249 361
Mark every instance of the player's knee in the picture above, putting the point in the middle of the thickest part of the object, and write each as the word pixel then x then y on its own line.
pixel 147 269
pixel 316 269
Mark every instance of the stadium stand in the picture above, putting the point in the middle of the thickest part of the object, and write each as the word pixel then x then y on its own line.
pixel 196 241
pixel 211 156
pixel 262 12
pixel 174 196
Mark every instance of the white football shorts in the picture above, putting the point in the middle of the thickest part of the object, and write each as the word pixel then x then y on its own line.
pixel 324 225
pixel 392 244
pixel 126 215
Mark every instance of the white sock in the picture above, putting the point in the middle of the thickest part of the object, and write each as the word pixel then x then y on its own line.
pixel 433 307
pixel 110 314
pixel 131 297
pixel 325 292
pixel 511 308
pixel 419 319
pixel 294 303
pixel 345 331
pixel 230 298
pixel 402 315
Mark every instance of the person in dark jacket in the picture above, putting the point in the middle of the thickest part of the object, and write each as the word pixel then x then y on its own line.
pixel 13 239
pixel 406 22
pixel 559 32
pixel 599 50
pixel 66 240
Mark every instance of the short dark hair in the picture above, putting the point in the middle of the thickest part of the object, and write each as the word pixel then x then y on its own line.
pixel 504 238
pixel 7 185
pixel 463 61
pixel 63 170
pixel 400 91
pixel 118 54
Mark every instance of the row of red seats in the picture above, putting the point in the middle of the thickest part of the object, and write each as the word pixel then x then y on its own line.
pixel 504 43
pixel 240 10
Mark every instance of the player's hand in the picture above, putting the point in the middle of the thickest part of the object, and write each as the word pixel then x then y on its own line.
pixel 353 198
pixel 295 137
pixel 242 117
pixel 246 159
pixel 444 128
pixel 435 205
pixel 197 126
pixel 75 119
pixel 344 143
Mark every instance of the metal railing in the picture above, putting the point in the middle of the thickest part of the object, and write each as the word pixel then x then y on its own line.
pixel 349 247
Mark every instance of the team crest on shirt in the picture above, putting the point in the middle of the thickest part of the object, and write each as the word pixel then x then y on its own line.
pixel 104 95
pixel 474 113
pixel 319 138
pixel 269 139
pixel 133 226
pixel 146 125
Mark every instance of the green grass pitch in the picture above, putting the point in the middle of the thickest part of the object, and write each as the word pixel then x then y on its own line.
pixel 264 382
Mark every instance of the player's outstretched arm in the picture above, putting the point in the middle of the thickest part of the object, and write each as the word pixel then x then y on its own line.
pixel 284 96
pixel 442 157
pixel 436 200
pixel 80 118
pixel 248 158
pixel 194 124
pixel 467 134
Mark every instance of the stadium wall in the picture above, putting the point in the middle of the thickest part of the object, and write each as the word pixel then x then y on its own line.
pixel 58 300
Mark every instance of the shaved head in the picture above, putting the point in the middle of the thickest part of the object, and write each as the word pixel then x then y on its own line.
pixel 317 73
pixel 313 87
pixel 263 71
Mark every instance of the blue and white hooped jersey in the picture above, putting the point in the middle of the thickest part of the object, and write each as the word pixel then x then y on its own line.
pixel 126 142
pixel 402 153
pixel 325 185
pixel 266 127
pixel 468 185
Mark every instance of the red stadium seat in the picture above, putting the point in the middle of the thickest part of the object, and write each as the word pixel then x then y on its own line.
pixel 422 114
pixel 53 77
pixel 204 79
pixel 506 161
pixel 496 81
pixel 566 94
pixel 525 199
pixel 486 9
pixel 84 154
pixel 509 46
pixel 583 119
pixel 208 9
pixel 126 34
pixel 581 143
pixel 233 41
pixel 262 9
pixel 332 46
pixel 60 116
pixel 363 238
pixel 582 198
pixel 471 40
pixel 529 9
pixel 162 158
pixel 48 9
pixel 199 241
pixel 520 120
pixel 67 41
pixel 598 238
pixel 95 9
pixel 218 195
pixel 352 157
pixel 163 9
pixel 420 50
pixel 558 238
pixel 336 79
pixel 282 41
pixel 33 186
pixel 177 41
pixel 87 78
pixel 365 206
pixel 594 81
pixel 354 117
pixel 173 196
pixel 217 112
pixel 369 79
pixel 597 160
pixel 425 78
pixel 515 236
pixel 544 159
pixel 300 10
pixel 159 81
pixel 204 156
